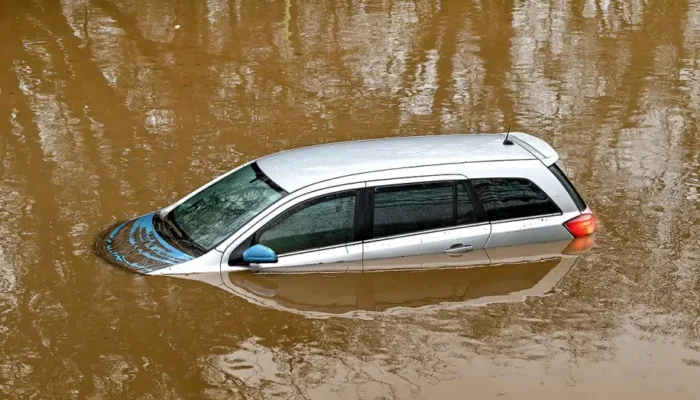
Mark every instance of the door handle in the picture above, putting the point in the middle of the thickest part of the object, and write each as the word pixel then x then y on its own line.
pixel 459 248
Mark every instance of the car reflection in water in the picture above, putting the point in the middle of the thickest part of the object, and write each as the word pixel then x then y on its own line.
pixel 513 274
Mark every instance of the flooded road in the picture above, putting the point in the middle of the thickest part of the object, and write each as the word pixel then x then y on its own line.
pixel 111 109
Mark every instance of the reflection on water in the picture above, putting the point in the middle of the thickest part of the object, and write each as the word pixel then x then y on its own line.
pixel 515 274
pixel 111 109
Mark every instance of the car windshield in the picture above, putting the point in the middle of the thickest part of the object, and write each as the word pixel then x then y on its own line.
pixel 212 215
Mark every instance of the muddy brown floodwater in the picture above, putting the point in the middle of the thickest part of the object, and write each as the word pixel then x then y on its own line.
pixel 110 109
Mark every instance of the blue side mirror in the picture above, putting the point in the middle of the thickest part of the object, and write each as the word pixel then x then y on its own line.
pixel 260 254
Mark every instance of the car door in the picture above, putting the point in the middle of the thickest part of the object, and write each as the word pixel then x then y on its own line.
pixel 316 234
pixel 423 222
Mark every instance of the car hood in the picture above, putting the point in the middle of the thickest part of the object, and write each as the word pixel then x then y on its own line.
pixel 136 246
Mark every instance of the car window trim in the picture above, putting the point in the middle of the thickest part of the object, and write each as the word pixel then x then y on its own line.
pixel 427 231
pixel 498 221
pixel 454 203
pixel 302 205
pixel 568 185
pixel 335 246
pixel 481 215
pixel 259 174
pixel 364 217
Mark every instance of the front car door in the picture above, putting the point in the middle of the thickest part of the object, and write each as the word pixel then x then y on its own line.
pixel 423 222
pixel 314 234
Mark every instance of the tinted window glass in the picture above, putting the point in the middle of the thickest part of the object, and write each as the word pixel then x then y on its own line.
pixel 412 208
pixel 465 208
pixel 318 223
pixel 506 198
pixel 213 214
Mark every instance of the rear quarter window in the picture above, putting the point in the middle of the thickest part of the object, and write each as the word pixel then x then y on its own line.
pixel 561 176
pixel 511 198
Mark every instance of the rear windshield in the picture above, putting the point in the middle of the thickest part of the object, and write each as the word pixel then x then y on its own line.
pixel 561 176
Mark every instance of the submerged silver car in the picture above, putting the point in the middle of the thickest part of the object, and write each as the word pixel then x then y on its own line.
pixel 409 202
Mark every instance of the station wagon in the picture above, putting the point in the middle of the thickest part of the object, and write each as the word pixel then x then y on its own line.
pixel 405 202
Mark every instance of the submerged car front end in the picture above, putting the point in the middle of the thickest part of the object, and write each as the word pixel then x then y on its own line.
pixel 182 238
pixel 135 245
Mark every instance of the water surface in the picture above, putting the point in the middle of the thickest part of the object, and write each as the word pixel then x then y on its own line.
pixel 111 109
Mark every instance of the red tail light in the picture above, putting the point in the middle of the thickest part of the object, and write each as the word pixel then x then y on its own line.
pixel 583 225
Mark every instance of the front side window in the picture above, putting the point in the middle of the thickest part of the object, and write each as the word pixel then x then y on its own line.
pixel 215 213
pixel 509 198
pixel 323 222
pixel 412 208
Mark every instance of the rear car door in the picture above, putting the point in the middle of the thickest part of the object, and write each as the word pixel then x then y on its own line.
pixel 423 222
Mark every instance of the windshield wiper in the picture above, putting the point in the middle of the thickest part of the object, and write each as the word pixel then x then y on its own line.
pixel 182 236
pixel 159 224
pixel 174 228
pixel 169 229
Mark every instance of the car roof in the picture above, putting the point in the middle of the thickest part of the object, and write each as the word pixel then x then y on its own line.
pixel 297 168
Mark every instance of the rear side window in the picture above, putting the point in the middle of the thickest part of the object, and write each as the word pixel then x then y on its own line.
pixel 420 207
pixel 323 222
pixel 412 208
pixel 509 198
pixel 561 176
